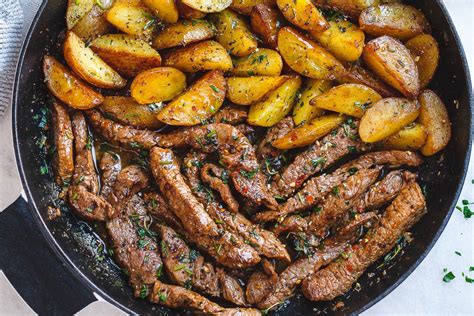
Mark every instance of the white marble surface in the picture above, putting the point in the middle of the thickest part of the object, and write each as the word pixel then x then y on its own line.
pixel 423 293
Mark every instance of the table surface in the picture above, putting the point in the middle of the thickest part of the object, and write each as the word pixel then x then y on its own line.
pixel 422 293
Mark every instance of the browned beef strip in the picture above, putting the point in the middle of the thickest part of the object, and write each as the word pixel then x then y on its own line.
pixel 129 181
pixel 63 140
pixel 245 129
pixel 338 277
pixel 318 156
pixel 216 177
pixel 157 208
pixel 261 282
pixel 232 114
pixel 265 149
pixel 221 245
pixel 110 165
pixel 88 205
pixel 231 289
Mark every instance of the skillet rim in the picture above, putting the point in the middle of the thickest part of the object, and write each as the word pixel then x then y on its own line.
pixel 98 291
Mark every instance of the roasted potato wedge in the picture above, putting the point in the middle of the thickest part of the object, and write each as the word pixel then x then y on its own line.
pixel 358 74
pixel 132 18
pixel 352 8
pixel 183 33
pixel 306 57
pixel 264 22
pixel 425 50
pixel 386 118
pixel 263 62
pixel 304 14
pixel 343 39
pixel 158 85
pixel 165 10
pixel 434 117
pixel 124 53
pixel 76 10
pixel 397 20
pixel 208 6
pixel 188 13
pixel 93 24
pixel 246 6
pixel 276 105
pixel 129 112
pixel 393 62
pixel 248 90
pixel 65 86
pixel 304 111
pixel 233 33
pixel 90 67
pixel 307 134
pixel 350 98
pixel 411 137
pixel 198 103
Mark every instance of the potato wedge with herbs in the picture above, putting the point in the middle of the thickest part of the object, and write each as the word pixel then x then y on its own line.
pixel 434 117
pixel 246 6
pixel 397 20
pixel 233 33
pixel 263 62
pixel 158 85
pixel 306 57
pixel 208 55
pixel 132 18
pixel 208 6
pixel 392 61
pixel 93 24
pixel 183 33
pixel 165 10
pixel 304 111
pixel 65 86
pixel 386 118
pixel 352 8
pixel 264 22
pixel 276 105
pixel 307 134
pixel 304 14
pixel 248 90
pixel 424 49
pixel 411 137
pixel 350 98
pixel 198 103
pixel 127 111
pixel 188 13
pixel 90 67
pixel 76 10
pixel 125 54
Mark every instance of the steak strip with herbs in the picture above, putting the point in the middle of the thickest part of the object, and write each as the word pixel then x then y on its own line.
pixel 63 140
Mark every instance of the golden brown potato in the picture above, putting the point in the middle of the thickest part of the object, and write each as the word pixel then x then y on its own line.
pixel 208 5
pixel 387 117
pixel 90 67
pixel 276 105
pixel 124 53
pixel 158 85
pixel 187 12
pixel 393 62
pixel 306 57
pixel 434 117
pixel 93 24
pixel 304 14
pixel 394 19
pixel 352 8
pixel 264 21
pixel 66 87
pixel 183 33
pixel 358 74
pixel 165 10
pixel 343 39
pixel 248 90
pixel 232 32
pixel 198 103
pixel 263 62
pixel 246 6
pixel 208 55
pixel 424 49
pixel 304 111
pixel 350 98
pixel 411 137
pixel 307 134
pixel 128 112
pixel 76 10
pixel 132 18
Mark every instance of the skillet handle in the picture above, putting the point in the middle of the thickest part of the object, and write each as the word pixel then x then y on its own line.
pixel 34 269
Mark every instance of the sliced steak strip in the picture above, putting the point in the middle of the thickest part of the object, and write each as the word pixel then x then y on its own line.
pixel 231 114
pixel 231 289
pixel 63 139
pixel 129 181
pixel 217 178
pixel 221 245
pixel 261 283
pixel 157 208
pixel 338 277
pixel 110 166
pixel 265 150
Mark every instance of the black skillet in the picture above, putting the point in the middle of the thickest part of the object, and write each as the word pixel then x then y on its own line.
pixel 89 270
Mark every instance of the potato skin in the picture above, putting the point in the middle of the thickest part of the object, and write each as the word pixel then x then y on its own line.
pixel 198 103
pixel 246 6
pixel 264 22
pixel 352 8
pixel 208 55
pixel 93 24
pixel 434 117
pixel 304 14
pixel 306 57
pixel 76 10
pixel 263 62
pixel 350 98
pixel 392 61
pixel 394 19
pixel 248 90
pixel 208 6
pixel 387 117
pixel 158 85
pixel 425 51
pixel 304 111
pixel 186 12
pixel 166 10
pixel 411 137
pixel 65 86
pixel 183 33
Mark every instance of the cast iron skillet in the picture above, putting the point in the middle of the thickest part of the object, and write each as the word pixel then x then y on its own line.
pixel 77 245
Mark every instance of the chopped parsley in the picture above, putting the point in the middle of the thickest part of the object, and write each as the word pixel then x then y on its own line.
pixel 159 272
pixel 458 253
pixel 249 174
pixel 214 88
pixel 448 277
pixel 320 161
pixel 162 296
pixel 468 279
pixel 353 171
pixel 143 291
pixel 335 191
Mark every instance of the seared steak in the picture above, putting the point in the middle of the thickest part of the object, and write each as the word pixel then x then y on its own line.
pixel 216 177
pixel 110 166
pixel 231 114
pixel 63 140
pixel 265 150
